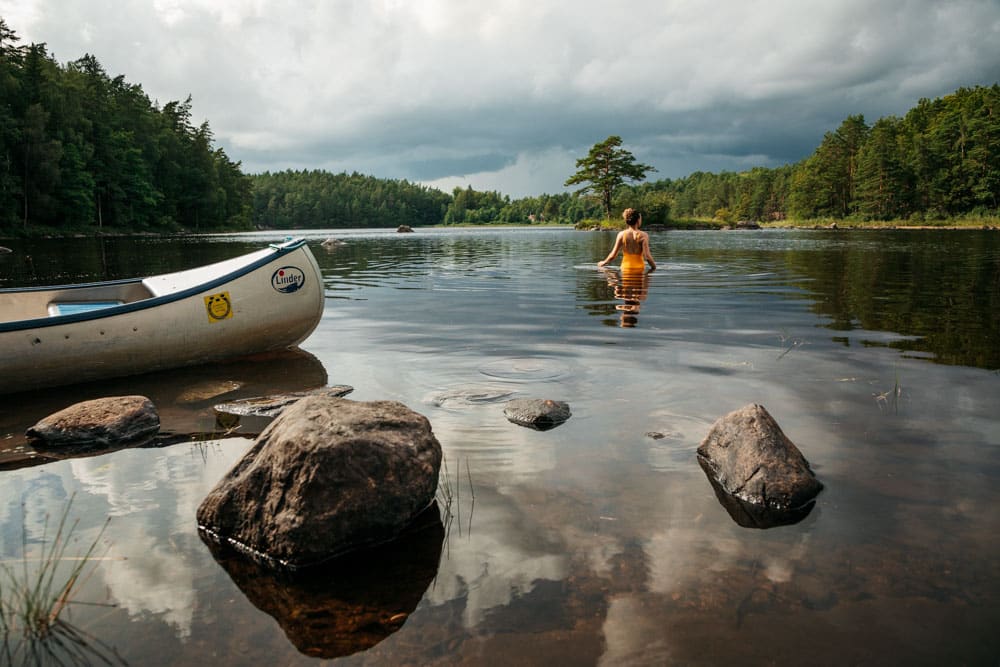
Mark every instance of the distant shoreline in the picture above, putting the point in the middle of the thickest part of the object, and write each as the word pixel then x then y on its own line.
pixel 682 226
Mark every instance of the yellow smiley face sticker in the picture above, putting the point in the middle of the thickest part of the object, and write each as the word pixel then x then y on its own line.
pixel 218 307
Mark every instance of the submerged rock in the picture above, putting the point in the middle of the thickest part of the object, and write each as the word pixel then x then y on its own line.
pixel 327 477
pixel 272 406
pixel 537 413
pixel 469 396
pixel 209 389
pixel 102 422
pixel 757 472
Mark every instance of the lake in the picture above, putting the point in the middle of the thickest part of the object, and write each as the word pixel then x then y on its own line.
pixel 600 541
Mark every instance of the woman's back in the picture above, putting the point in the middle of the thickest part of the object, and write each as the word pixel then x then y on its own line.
pixel 633 246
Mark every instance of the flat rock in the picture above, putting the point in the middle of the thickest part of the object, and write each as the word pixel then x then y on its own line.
pixel 272 406
pixel 102 422
pixel 540 414
pixel 327 477
pixel 752 462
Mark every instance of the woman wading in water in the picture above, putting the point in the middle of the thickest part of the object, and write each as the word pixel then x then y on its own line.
pixel 633 243
pixel 633 284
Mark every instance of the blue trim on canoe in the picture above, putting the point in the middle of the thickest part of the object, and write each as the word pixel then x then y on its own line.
pixel 20 325
pixel 74 307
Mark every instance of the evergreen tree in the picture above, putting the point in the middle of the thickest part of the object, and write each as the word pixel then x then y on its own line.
pixel 884 186
pixel 605 168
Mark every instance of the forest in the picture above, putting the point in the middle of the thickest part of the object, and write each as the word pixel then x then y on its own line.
pixel 940 161
pixel 82 151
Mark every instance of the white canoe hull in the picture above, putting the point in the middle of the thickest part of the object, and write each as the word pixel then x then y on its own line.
pixel 268 300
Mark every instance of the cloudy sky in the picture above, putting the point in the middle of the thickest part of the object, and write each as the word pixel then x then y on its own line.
pixel 506 95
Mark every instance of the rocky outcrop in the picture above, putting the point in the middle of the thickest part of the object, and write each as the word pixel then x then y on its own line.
pixel 760 476
pixel 327 477
pixel 102 422
pixel 537 413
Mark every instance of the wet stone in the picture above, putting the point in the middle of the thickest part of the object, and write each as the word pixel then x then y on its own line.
pixel 327 477
pixel 272 406
pixel 758 474
pixel 469 396
pixel 102 422
pixel 537 413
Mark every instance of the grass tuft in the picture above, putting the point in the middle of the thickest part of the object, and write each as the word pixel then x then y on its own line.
pixel 34 596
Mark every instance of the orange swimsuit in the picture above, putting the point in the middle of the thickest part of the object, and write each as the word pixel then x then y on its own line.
pixel 632 261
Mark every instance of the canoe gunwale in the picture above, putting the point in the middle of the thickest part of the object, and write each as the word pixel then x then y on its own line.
pixel 143 304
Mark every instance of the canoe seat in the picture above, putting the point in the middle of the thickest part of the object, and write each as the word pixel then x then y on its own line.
pixel 57 308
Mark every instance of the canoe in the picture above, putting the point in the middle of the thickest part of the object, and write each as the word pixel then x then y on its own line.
pixel 266 300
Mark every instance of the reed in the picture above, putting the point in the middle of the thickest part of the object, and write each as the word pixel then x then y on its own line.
pixel 887 400
pixel 34 596
pixel 449 499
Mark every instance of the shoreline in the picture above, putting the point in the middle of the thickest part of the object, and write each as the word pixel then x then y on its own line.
pixel 684 226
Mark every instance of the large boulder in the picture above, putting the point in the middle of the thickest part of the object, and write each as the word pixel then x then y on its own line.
pixel 327 477
pixel 102 422
pixel 760 476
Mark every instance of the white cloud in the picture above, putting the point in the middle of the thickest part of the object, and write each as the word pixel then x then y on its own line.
pixel 443 91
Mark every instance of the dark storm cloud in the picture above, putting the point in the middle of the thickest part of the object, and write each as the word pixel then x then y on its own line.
pixel 506 95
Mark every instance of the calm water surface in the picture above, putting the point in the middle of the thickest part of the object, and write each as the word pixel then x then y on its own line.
pixel 600 541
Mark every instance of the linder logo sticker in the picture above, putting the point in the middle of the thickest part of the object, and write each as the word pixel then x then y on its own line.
pixel 288 279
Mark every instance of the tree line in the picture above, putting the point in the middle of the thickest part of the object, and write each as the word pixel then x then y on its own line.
pixel 81 150
pixel 941 160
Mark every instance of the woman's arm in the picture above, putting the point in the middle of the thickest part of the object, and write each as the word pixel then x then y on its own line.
pixel 614 250
pixel 647 254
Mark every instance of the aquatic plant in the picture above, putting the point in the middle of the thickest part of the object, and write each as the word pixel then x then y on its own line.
pixel 887 399
pixel 34 596
pixel 449 497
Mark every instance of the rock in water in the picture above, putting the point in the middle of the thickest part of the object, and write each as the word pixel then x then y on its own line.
pixel 539 414
pixel 102 422
pixel 748 457
pixel 272 406
pixel 327 477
